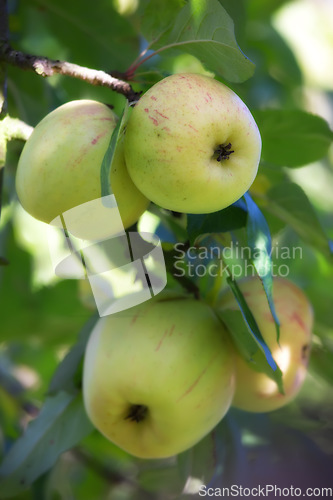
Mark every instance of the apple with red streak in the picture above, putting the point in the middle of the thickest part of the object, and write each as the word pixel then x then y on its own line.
pixel 159 376
pixel 59 167
pixel 255 391
pixel 192 145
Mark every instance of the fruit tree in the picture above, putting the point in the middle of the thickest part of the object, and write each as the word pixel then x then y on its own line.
pixel 166 254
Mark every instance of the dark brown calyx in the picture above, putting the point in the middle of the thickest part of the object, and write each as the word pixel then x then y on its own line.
pixel 137 413
pixel 305 353
pixel 223 152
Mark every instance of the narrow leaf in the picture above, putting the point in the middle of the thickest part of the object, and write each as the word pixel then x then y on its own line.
pixel 106 188
pixel 65 376
pixel 259 241
pixel 253 329
pixel 247 346
pixel 61 424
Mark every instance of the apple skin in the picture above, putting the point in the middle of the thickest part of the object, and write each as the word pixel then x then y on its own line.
pixel 256 392
pixel 170 355
pixel 172 135
pixel 59 167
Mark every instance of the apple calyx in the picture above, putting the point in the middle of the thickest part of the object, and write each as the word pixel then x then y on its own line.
pixel 305 352
pixel 137 413
pixel 223 152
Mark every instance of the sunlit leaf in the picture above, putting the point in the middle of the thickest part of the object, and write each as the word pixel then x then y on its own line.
pixel 204 29
pixel 260 244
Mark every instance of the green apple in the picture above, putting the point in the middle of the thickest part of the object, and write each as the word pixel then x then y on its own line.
pixel 159 376
pixel 59 167
pixel 192 145
pixel 255 391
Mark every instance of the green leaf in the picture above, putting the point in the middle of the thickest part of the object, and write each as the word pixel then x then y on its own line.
pixel 65 377
pixel 162 478
pixel 228 219
pixel 260 244
pixel 90 36
pixel 280 59
pixel 262 361
pixel 61 424
pixel 260 9
pixel 204 29
pixel 248 346
pixel 106 188
pixel 289 203
pixel 321 362
pixel 292 138
pixel 238 12
pixel 156 21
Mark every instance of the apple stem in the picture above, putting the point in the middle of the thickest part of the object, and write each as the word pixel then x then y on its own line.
pixel 223 152
pixel 137 413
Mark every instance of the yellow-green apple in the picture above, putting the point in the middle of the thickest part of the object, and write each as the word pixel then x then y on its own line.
pixel 159 376
pixel 255 391
pixel 59 167
pixel 192 145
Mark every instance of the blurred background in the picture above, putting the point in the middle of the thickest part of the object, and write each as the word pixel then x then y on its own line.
pixel 291 43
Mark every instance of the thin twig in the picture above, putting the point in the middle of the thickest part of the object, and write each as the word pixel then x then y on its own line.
pixel 46 67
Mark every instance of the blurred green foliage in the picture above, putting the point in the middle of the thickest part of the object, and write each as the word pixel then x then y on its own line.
pixel 41 316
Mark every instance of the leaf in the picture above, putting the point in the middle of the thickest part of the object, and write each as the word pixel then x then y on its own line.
pixel 106 188
pixel 61 424
pixel 262 362
pixel 155 22
pixel 259 241
pixel 90 37
pixel 288 202
pixel 248 347
pixel 228 219
pixel 321 362
pixel 292 138
pixel 162 478
pixel 64 377
pixel 204 29
pixel 280 59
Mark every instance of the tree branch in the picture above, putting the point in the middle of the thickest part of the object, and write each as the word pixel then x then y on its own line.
pixel 48 67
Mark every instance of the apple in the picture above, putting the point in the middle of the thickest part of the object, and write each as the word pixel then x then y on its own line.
pixel 255 391
pixel 159 376
pixel 192 145
pixel 59 167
